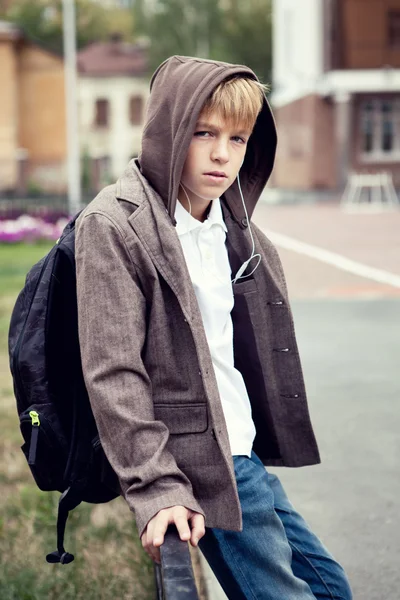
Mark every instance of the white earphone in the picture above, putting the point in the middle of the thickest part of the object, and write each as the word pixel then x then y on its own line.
pixel 239 274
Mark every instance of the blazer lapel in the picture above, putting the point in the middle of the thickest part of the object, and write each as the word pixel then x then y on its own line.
pixel 154 228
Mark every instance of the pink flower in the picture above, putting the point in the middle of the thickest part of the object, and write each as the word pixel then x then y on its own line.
pixel 30 229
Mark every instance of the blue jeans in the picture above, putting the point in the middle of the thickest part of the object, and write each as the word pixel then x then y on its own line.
pixel 276 556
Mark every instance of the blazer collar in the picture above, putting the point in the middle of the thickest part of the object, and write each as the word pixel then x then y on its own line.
pixel 157 233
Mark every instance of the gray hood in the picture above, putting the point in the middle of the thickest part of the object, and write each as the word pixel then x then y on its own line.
pixel 179 88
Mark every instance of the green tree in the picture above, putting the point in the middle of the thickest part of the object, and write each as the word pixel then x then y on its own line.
pixel 247 35
pixel 230 30
pixel 187 27
pixel 42 21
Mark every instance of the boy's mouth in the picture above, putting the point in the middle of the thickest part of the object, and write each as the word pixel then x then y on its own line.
pixel 217 175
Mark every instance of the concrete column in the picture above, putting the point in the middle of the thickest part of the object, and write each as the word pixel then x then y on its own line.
pixel 343 129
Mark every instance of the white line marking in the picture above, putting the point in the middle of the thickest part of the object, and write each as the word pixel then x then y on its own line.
pixel 331 258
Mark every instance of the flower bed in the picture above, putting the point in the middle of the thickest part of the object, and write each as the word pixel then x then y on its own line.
pixel 30 229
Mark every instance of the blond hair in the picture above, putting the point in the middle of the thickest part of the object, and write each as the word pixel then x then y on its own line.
pixel 237 101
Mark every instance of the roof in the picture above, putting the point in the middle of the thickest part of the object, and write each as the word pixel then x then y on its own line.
pixel 9 31
pixel 113 58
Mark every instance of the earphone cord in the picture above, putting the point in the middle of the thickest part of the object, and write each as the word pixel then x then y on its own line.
pixel 186 194
pixel 246 263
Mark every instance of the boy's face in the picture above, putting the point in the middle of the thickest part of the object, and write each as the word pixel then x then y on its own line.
pixel 213 160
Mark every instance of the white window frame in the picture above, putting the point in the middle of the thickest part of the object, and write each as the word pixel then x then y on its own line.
pixel 377 154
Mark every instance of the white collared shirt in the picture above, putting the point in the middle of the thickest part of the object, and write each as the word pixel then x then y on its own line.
pixel 207 260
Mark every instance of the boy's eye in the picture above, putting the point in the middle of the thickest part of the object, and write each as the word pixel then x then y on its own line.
pixel 206 134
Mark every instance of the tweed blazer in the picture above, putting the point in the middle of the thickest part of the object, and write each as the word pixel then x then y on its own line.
pixel 147 364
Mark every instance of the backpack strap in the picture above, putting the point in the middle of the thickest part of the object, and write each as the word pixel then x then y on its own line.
pixel 68 501
pixel 69 226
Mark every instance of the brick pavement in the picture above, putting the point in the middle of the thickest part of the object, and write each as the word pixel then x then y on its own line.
pixel 372 239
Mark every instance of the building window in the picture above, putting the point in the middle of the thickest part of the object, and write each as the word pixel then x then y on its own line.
pixel 367 127
pixel 387 131
pixel 135 110
pixel 380 129
pixel 394 27
pixel 102 115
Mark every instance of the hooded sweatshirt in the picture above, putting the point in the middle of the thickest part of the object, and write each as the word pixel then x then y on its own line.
pixel 179 88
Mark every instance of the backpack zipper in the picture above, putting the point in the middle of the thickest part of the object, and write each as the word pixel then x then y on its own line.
pixel 34 436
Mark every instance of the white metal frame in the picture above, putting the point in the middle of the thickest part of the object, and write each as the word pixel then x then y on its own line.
pixel 382 194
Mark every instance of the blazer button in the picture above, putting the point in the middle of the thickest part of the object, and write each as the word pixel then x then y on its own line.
pixel 245 222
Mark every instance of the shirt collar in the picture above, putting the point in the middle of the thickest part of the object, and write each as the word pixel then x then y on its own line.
pixel 185 222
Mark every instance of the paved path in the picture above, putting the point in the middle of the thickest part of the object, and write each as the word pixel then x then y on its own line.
pixel 368 239
pixel 348 330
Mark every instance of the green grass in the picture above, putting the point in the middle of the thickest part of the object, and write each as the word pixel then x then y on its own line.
pixel 109 561
pixel 15 262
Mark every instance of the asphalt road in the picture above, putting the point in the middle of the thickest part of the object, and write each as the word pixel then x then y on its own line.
pixel 348 330
pixel 351 357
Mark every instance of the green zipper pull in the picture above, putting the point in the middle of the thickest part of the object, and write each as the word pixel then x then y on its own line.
pixel 34 436
pixel 35 417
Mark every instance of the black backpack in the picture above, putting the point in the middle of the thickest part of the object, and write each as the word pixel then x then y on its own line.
pixel 62 445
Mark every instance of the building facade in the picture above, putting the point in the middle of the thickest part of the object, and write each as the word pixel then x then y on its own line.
pixel 336 81
pixel 32 115
pixel 113 89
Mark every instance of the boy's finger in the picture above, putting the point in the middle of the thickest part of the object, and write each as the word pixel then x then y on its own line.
pixel 149 532
pixel 198 529
pixel 182 526
pixel 160 527
pixel 149 550
pixel 143 539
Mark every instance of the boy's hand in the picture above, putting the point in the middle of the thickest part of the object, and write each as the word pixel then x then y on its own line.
pixel 153 536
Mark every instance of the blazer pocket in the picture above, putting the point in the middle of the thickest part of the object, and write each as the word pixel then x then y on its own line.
pixel 181 419
pixel 246 286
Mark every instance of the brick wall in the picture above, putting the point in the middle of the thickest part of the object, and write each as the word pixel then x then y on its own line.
pixel 364 35
pixel 41 105
pixel 8 115
pixel 305 155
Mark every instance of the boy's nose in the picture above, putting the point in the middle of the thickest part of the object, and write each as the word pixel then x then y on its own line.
pixel 220 153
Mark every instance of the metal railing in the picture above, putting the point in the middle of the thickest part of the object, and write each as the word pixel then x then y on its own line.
pixel 174 576
pixel 38 206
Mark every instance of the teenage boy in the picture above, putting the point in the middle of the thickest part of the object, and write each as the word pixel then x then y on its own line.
pixel 188 348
